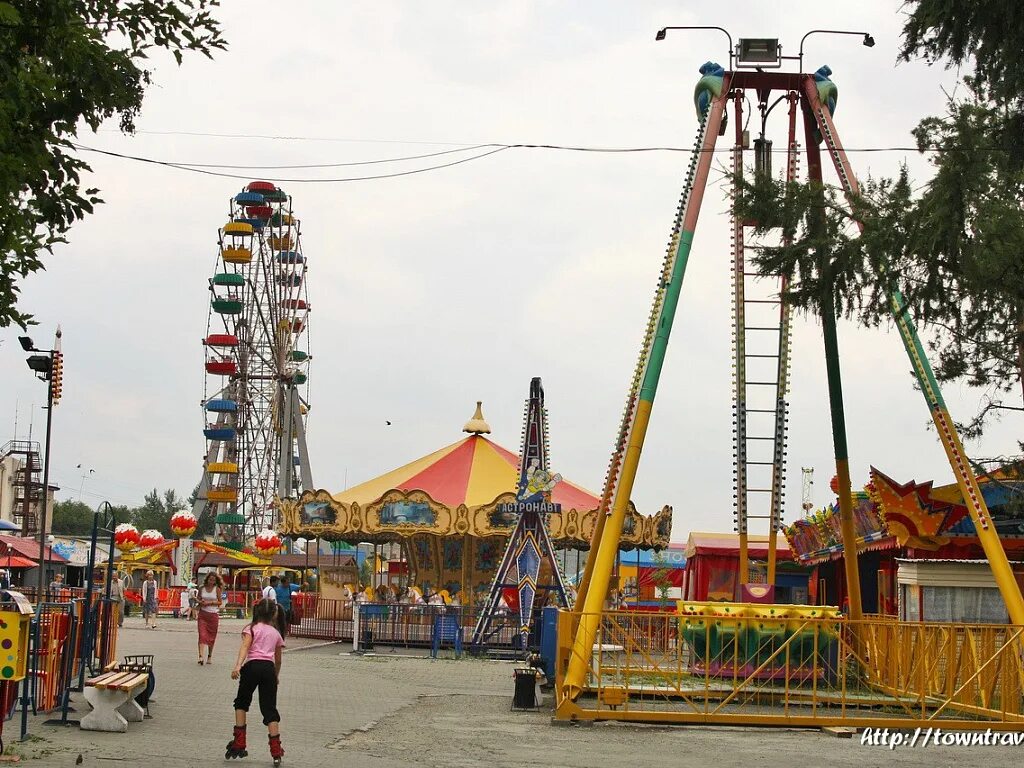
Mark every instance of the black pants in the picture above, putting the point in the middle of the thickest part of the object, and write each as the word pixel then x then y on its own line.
pixel 262 675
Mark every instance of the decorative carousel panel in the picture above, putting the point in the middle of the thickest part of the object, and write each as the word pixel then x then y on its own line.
pixel 588 521
pixel 488 553
pixel 423 549
pixel 407 514
pixel 452 554
pixel 315 513
pixel 662 528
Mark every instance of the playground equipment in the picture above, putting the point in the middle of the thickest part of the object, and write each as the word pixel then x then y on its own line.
pixel 814 97
pixel 529 547
pixel 257 358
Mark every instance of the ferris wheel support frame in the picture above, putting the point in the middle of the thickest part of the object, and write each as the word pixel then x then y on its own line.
pixel 293 434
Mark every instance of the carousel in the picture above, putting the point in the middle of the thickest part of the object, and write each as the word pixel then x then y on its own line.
pixel 445 510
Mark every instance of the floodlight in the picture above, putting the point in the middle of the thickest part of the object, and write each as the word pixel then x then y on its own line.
pixel 758 52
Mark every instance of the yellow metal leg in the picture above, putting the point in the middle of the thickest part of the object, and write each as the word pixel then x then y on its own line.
pixel 608 547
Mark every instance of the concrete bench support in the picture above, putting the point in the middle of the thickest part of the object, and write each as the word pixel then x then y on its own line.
pixel 114 705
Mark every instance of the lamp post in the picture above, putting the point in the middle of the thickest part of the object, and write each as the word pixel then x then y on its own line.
pixel 661 36
pixel 868 41
pixel 48 367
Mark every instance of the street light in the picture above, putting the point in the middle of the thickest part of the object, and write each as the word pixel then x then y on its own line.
pixel 867 41
pixel 48 366
pixel 661 36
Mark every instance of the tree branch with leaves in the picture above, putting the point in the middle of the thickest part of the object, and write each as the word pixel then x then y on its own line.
pixel 64 63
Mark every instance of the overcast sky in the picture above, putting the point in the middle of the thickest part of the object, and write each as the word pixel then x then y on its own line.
pixel 432 291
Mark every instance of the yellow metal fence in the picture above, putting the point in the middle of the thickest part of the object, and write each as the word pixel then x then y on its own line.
pixel 767 665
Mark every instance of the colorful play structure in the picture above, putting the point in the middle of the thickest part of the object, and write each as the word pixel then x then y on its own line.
pixel 757 661
pixel 257 361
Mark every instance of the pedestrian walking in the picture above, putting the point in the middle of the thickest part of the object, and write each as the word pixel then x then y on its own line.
pixel 283 591
pixel 56 587
pixel 193 601
pixel 150 600
pixel 270 591
pixel 258 668
pixel 210 597
pixel 117 595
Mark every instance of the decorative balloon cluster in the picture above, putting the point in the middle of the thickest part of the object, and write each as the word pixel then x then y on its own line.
pixel 267 543
pixel 150 538
pixel 126 537
pixel 183 523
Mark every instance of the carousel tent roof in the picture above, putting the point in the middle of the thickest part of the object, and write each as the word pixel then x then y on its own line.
pixel 471 471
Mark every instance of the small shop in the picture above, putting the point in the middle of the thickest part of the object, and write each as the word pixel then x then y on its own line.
pixel 713 563
pixel 962 591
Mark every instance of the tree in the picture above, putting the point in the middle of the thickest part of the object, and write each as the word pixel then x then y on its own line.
pixel 63 62
pixel 156 511
pixel 204 524
pixel 661 578
pixel 987 33
pixel 72 518
pixel 954 249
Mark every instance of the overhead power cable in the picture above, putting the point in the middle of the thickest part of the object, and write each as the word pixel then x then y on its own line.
pixel 492 148
pixel 337 165
pixel 207 172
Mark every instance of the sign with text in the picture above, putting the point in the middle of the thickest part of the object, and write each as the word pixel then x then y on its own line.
pixel 519 507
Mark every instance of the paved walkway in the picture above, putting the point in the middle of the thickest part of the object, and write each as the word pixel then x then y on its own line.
pixel 393 710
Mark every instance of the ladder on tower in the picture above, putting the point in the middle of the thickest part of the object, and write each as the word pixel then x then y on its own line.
pixel 762 332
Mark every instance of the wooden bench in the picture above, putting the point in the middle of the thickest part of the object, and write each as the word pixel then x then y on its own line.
pixel 112 696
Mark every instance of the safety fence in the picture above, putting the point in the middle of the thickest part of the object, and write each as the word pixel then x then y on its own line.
pixel 170 601
pixel 395 624
pixel 768 667
pixel 68 641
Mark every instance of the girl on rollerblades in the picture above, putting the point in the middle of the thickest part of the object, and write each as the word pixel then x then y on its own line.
pixel 258 669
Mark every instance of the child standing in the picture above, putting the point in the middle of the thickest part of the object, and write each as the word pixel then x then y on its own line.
pixel 258 667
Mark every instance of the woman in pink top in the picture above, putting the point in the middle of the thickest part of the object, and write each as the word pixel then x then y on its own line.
pixel 258 668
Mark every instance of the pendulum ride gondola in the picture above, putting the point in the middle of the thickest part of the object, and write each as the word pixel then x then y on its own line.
pixel 813 97
pixel 257 360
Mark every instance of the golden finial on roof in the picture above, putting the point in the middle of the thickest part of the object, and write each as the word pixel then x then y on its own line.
pixel 477 425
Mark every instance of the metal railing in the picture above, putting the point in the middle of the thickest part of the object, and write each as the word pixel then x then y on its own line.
pixel 67 641
pixel 793 670
pixel 392 624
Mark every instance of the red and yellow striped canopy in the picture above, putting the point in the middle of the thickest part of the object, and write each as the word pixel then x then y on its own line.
pixel 472 471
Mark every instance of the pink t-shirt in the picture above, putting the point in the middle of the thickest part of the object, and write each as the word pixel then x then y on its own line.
pixel 265 641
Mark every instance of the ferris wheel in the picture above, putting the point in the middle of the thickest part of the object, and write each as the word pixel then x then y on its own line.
pixel 256 392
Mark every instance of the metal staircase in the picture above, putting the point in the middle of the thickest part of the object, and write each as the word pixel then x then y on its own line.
pixel 27 483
